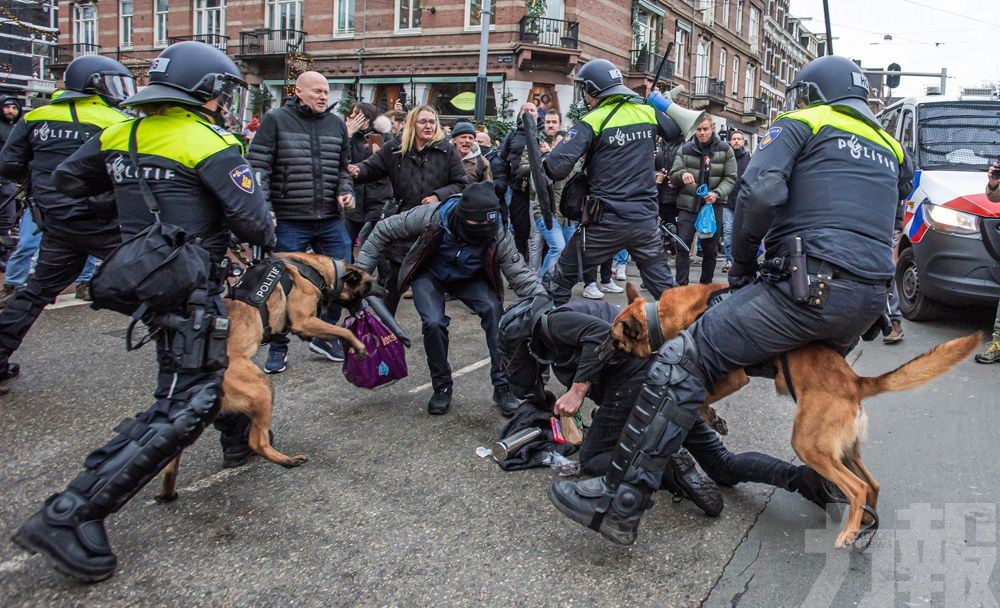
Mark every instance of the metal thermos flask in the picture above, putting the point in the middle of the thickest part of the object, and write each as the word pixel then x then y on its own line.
pixel 503 449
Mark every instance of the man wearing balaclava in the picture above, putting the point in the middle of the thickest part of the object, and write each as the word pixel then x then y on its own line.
pixel 460 249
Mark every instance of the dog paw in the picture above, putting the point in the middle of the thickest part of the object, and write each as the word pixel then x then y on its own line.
pixel 164 498
pixel 361 353
pixel 717 422
pixel 294 461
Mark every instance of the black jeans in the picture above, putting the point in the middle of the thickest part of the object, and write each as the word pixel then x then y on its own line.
pixel 428 298
pixel 724 467
pixel 520 220
pixel 709 246
pixel 61 257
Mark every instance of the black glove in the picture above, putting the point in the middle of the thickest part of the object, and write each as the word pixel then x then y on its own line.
pixel 741 275
pixel 882 325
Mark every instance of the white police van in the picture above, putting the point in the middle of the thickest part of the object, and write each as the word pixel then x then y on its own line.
pixel 949 252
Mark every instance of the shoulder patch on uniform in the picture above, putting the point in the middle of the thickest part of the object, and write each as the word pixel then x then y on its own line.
pixel 242 176
pixel 772 135
pixel 571 135
pixel 219 130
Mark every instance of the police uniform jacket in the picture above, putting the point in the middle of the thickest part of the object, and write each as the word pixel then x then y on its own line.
pixel 424 228
pixel 722 171
pixel 45 138
pixel 195 170
pixel 620 157
pixel 831 178
pixel 300 159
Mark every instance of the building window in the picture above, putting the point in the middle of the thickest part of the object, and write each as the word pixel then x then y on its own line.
pixel 283 15
pixel 748 87
pixel 722 64
pixel 680 50
pixel 126 9
pixel 736 76
pixel 754 27
pixel 160 10
pixel 739 17
pixel 407 15
pixel 707 10
pixel 442 95
pixel 210 20
pixel 725 13
pixel 647 31
pixel 343 17
pixel 85 28
pixel 474 14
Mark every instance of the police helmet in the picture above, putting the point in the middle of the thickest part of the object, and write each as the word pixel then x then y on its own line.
pixel 192 73
pixel 97 75
pixel 830 80
pixel 600 78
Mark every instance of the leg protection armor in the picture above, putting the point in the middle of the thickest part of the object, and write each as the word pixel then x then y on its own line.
pixel 667 407
pixel 69 529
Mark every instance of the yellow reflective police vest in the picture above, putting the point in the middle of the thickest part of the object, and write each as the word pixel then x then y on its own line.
pixel 821 116
pixel 177 134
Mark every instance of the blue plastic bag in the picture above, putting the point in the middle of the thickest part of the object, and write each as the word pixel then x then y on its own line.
pixel 705 222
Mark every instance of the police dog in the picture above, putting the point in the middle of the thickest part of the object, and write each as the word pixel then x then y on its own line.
pixel 246 389
pixel 830 422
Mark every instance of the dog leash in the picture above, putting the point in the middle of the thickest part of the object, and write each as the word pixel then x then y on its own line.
pixel 786 370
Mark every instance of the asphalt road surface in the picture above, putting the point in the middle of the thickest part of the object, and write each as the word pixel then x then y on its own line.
pixel 394 508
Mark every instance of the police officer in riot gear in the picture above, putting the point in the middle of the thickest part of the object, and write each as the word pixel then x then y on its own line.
pixel 826 180
pixel 73 228
pixel 202 183
pixel 618 138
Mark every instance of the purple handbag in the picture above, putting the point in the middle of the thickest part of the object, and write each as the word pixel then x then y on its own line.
pixel 386 360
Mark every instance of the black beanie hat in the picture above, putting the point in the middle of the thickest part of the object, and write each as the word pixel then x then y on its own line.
pixel 463 127
pixel 478 203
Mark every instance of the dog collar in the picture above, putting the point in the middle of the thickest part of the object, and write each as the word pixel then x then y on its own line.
pixel 339 271
pixel 653 325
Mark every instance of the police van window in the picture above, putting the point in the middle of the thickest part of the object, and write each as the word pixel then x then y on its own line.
pixel 889 120
pixel 906 134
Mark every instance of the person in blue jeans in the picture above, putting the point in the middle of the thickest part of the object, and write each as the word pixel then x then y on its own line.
pixel 19 264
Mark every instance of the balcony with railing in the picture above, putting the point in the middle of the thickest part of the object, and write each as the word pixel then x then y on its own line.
pixel 263 42
pixel 219 41
pixel 543 31
pixel 647 62
pixel 756 107
pixel 65 53
pixel 711 89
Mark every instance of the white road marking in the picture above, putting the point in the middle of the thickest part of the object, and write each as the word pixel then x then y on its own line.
pixel 468 368
pixel 65 301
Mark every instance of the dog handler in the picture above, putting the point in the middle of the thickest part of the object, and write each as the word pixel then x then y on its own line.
pixel 826 180
pixel 202 184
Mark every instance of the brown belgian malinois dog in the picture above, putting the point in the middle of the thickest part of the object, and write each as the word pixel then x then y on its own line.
pixel 830 422
pixel 293 303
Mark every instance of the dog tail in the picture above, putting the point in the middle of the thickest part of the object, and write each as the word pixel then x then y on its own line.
pixel 922 369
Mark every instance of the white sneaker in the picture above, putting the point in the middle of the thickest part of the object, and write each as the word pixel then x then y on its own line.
pixel 619 272
pixel 610 287
pixel 591 291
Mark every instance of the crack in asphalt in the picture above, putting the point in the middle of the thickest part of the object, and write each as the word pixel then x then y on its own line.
pixel 746 535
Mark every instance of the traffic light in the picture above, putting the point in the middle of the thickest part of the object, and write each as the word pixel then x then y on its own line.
pixel 893 79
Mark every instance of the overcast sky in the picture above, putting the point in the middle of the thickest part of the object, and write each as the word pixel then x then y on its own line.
pixel 927 35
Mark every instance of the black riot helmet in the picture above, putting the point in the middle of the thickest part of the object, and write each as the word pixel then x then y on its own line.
pixel 516 327
pixel 97 75
pixel 830 80
pixel 600 78
pixel 192 73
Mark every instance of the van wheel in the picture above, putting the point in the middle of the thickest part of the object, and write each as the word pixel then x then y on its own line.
pixel 914 305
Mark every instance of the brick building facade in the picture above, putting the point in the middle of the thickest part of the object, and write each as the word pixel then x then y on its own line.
pixel 378 49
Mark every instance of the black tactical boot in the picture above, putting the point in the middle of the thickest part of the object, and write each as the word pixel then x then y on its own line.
pixel 589 503
pixel 505 400
pixel 73 542
pixel 683 480
pixel 439 402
